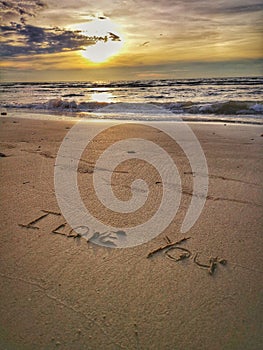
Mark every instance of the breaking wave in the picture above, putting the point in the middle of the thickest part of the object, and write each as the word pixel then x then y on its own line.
pixel 219 108
pixel 235 99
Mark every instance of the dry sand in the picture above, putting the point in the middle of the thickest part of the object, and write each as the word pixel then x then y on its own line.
pixel 57 292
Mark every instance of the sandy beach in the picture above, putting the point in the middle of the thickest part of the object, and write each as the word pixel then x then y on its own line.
pixel 61 292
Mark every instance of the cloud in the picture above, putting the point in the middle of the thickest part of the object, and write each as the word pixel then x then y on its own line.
pixel 176 29
pixel 20 38
pixel 36 40
pixel 237 9
pixel 12 10
pixel 179 70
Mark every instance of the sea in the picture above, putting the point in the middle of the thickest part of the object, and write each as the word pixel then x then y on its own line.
pixel 233 100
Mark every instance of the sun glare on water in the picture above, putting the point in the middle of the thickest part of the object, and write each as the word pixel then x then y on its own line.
pixel 108 40
pixel 102 97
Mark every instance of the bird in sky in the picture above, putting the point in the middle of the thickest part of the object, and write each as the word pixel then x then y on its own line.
pixel 114 37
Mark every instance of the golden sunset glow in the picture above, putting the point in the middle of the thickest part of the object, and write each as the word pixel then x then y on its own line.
pixel 101 52
pixel 129 40
pixel 109 41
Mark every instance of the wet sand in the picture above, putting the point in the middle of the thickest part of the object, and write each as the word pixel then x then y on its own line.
pixel 59 292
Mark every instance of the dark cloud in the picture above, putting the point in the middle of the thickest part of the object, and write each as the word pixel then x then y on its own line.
pixel 36 40
pixel 19 11
pixel 237 9
pixel 20 38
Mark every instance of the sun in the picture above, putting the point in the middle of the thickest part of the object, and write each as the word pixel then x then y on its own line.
pixel 108 39
pixel 101 51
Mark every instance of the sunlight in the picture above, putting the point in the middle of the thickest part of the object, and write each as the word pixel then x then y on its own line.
pixel 109 40
pixel 102 97
pixel 101 51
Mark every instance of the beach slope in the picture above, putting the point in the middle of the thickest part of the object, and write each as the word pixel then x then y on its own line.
pixel 61 292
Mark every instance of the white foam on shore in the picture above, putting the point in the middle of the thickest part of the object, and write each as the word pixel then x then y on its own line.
pixel 131 112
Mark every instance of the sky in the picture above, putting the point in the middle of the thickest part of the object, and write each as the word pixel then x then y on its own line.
pixel 50 40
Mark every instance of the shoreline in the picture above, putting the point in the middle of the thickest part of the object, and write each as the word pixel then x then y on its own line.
pixel 93 115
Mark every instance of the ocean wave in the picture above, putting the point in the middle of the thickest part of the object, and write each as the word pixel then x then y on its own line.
pixel 72 95
pixel 219 108
pixel 141 84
